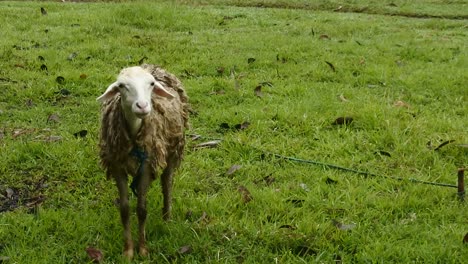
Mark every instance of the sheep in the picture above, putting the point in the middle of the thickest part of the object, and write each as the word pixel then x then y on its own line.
pixel 144 115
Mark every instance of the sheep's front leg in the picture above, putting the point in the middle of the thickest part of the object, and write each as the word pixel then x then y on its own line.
pixel 142 189
pixel 121 180
pixel 166 184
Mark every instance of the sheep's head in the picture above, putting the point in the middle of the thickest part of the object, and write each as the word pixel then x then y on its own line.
pixel 135 86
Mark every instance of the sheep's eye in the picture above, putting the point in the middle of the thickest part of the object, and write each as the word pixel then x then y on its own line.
pixel 152 83
pixel 123 86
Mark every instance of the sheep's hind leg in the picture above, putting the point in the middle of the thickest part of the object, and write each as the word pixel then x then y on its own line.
pixel 166 184
pixel 121 180
pixel 142 189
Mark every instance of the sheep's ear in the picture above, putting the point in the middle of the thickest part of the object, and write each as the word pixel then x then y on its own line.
pixel 110 92
pixel 161 91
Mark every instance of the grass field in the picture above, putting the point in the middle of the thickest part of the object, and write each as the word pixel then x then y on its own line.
pixel 289 71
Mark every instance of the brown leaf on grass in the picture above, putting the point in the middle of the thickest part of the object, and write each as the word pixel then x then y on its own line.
pixel 324 36
pixel 346 120
pixel 9 193
pixel 400 103
pixel 185 250
pixel 220 70
pixel 53 118
pixel 29 103
pixel 94 254
pixel 53 138
pixel 209 144
pixel 18 132
pixel 83 76
pixel 343 98
pixel 233 169
pixel 465 239
pixel 331 66
pixel 258 91
pixel 246 195
pixel 342 226
pixel 35 201
pixel 204 218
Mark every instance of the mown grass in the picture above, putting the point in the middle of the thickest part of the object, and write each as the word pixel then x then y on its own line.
pixel 402 80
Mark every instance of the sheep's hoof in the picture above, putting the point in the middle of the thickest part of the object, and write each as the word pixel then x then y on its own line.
pixel 143 250
pixel 128 253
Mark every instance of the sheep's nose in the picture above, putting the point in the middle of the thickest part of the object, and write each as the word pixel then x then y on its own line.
pixel 142 105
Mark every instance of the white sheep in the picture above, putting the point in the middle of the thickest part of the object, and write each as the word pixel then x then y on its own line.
pixel 144 115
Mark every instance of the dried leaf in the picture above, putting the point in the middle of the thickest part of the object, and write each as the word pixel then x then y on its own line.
pixel 185 250
pixel 83 76
pixel 343 98
pixel 343 121
pixel 323 36
pixel 18 132
pixel 258 91
pixel 53 138
pixel 209 144
pixel 94 254
pixel 53 118
pixel 43 11
pixel 233 169
pixel 29 103
pixel 220 70
pixel 9 193
pixel 246 196
pixel 401 104
pixel 338 8
pixel 81 133
pixel 203 218
pixel 194 137
pixel 331 66
pixel 35 201
pixel 342 226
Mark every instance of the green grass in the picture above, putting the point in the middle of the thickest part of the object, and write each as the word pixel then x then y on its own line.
pixel 378 59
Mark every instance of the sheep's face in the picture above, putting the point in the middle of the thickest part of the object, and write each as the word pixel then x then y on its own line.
pixel 135 86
